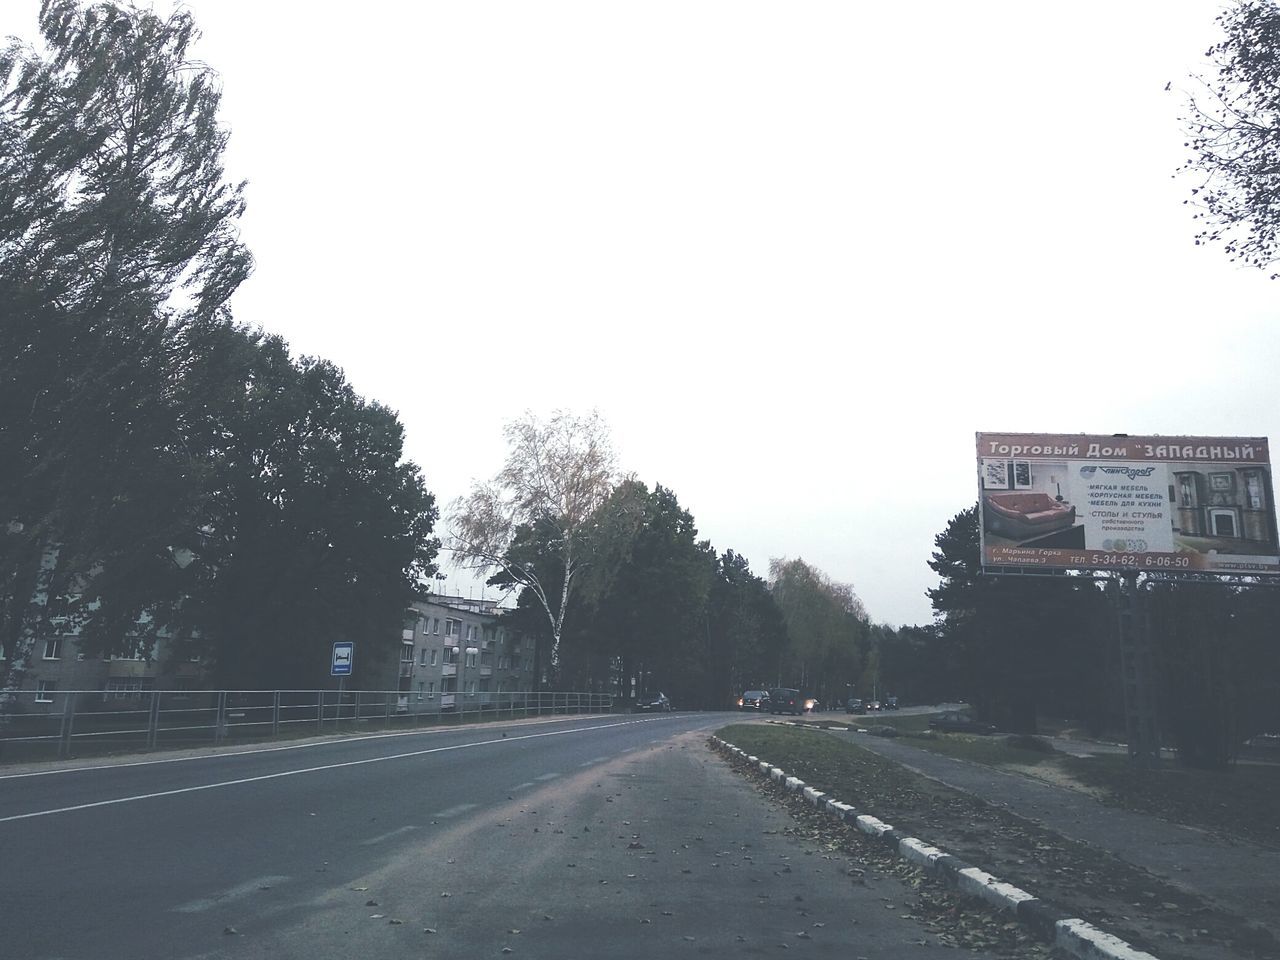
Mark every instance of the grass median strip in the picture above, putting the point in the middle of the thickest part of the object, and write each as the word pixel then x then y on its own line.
pixel 1087 881
pixel 1243 801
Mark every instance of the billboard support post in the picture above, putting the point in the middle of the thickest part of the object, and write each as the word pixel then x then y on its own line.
pixel 1133 620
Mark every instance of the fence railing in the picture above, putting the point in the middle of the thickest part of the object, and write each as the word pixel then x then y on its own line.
pixel 70 723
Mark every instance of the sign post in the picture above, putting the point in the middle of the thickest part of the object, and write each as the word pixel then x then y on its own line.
pixel 344 655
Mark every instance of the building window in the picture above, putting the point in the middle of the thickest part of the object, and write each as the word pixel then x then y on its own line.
pixel 431 689
pixel 422 657
pixel 435 621
pixel 422 690
pixel 123 688
pixel 433 656
pixel 53 648
pixel 450 627
pixel 44 690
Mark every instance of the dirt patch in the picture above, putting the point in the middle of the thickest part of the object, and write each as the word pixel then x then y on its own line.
pixel 1056 775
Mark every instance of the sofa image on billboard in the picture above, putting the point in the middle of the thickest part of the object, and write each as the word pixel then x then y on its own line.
pixel 1021 516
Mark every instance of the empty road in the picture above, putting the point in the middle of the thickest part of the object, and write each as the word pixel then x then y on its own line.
pixel 607 836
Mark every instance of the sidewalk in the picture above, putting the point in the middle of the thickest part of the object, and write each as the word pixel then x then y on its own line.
pixel 1235 875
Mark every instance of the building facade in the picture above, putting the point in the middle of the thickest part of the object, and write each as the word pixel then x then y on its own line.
pixel 460 654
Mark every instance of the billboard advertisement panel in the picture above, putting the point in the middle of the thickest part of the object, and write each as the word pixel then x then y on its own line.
pixel 1156 504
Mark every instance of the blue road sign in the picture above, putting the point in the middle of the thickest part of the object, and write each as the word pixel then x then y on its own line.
pixel 344 651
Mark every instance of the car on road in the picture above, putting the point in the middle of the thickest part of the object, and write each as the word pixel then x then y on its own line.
pixel 873 704
pixel 812 705
pixel 955 721
pixel 786 700
pixel 654 704
pixel 754 700
pixel 891 703
pixel 855 705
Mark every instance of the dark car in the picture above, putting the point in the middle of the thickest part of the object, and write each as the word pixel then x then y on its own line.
pixel 891 703
pixel 654 704
pixel 754 700
pixel 953 721
pixel 855 705
pixel 786 700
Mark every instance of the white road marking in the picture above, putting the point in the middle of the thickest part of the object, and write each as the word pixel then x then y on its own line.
pixel 455 811
pixel 387 836
pixel 522 786
pixel 294 746
pixel 327 766
pixel 547 776
pixel 239 891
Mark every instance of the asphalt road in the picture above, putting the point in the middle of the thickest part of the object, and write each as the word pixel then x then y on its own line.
pixel 595 837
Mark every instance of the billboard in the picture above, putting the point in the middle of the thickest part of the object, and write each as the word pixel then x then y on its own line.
pixel 1156 504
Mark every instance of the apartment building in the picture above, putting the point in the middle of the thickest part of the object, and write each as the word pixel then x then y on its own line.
pixel 59 664
pixel 458 653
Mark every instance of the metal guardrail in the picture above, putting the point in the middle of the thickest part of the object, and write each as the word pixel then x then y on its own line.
pixel 71 723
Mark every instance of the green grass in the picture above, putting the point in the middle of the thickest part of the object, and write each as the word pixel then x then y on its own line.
pixel 1243 801
pixel 914 729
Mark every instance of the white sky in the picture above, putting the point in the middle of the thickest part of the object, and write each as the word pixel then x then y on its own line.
pixel 796 254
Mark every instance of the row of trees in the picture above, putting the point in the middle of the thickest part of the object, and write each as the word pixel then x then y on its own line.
pixel 1022 647
pixel 615 578
pixel 164 471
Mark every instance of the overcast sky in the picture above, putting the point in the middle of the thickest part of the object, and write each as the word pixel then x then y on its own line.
pixel 795 254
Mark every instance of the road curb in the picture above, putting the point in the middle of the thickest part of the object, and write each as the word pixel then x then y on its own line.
pixel 1072 934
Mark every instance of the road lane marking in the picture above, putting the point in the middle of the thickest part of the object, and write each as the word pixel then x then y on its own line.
pixel 455 811
pixel 238 892
pixel 317 769
pixel 523 786
pixel 547 776
pixel 298 746
pixel 387 836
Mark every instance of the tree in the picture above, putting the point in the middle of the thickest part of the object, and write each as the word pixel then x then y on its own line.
pixel 826 624
pixel 646 602
pixel 1016 645
pixel 747 631
pixel 162 471
pixel 557 475
pixel 1233 127
pixel 313 527
pixel 117 233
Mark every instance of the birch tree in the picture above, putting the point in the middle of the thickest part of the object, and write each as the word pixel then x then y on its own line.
pixel 558 474
pixel 1232 124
